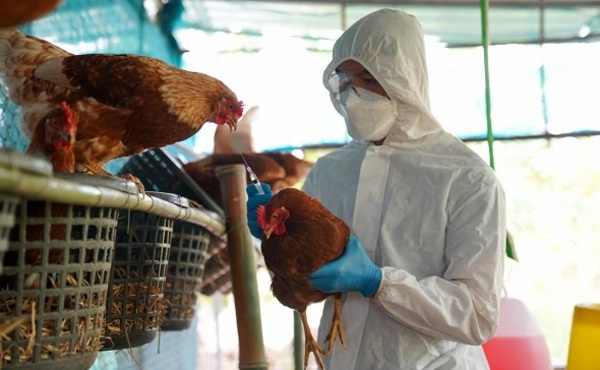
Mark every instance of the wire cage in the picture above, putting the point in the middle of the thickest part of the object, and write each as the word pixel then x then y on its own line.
pixel 54 284
pixel 135 301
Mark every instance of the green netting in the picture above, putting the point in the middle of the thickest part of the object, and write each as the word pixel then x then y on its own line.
pixel 92 26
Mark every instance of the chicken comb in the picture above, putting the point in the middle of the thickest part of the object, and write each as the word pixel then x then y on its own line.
pixel 240 110
pixel 68 112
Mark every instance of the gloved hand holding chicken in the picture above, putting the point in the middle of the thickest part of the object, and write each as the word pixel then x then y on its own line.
pixel 254 200
pixel 352 272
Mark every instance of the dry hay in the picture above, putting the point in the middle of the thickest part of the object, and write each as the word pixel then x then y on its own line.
pixel 144 303
pixel 51 328
pixel 181 295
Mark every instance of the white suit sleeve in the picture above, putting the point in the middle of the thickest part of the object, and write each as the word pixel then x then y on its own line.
pixel 462 305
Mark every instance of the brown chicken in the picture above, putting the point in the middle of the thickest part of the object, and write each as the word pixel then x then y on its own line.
pixel 14 13
pixel 300 236
pixel 53 138
pixel 125 103
pixel 279 170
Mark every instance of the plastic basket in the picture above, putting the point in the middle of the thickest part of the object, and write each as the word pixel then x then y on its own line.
pixel 186 266
pixel 8 206
pixel 184 275
pixel 135 305
pixel 159 171
pixel 8 203
pixel 54 284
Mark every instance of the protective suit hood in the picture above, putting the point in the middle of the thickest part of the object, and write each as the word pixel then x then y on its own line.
pixel 390 45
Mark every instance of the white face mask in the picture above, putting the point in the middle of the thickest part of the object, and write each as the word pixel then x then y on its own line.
pixel 368 116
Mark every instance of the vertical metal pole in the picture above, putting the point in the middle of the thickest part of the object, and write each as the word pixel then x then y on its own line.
pixel 232 180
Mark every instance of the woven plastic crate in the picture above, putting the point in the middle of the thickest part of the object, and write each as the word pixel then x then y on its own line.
pixel 54 284
pixel 8 203
pixel 8 206
pixel 184 275
pixel 186 267
pixel 159 171
pixel 135 305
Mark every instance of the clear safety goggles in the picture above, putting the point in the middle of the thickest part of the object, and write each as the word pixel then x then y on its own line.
pixel 339 81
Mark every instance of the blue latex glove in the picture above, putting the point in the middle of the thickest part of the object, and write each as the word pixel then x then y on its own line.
pixel 255 200
pixel 352 272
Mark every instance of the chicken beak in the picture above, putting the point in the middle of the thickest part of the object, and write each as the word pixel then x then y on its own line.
pixel 232 124
pixel 268 231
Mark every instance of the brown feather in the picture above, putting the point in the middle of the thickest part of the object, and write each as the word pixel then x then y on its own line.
pixel 279 170
pixel 126 103
pixel 14 13
pixel 313 237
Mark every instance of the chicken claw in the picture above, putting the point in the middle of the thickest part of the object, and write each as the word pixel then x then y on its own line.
pixel 97 170
pixel 336 325
pixel 136 181
pixel 310 344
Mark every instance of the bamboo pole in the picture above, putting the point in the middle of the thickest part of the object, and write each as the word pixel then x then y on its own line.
pixel 232 180
pixel 298 342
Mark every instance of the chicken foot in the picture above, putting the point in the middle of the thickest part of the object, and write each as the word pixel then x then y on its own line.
pixel 97 170
pixel 337 330
pixel 310 344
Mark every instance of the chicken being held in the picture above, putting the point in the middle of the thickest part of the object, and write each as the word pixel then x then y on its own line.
pixel 53 138
pixel 300 236
pixel 125 103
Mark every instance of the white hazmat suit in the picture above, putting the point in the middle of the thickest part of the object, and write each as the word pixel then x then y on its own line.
pixel 428 210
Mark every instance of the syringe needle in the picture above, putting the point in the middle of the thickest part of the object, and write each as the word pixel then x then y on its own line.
pixel 253 177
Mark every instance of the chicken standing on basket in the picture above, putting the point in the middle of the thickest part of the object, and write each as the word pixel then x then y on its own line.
pixel 54 139
pixel 300 236
pixel 125 103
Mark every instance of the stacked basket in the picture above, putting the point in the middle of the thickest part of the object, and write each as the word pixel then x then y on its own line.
pixel 8 203
pixel 54 285
pixel 158 170
pixel 185 269
pixel 135 303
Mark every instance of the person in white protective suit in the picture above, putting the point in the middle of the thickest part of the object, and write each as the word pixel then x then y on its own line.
pixel 429 212
pixel 423 271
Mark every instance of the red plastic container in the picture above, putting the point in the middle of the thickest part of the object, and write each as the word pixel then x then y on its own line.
pixel 519 343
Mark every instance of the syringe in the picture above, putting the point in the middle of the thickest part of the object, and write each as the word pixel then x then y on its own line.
pixel 253 177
